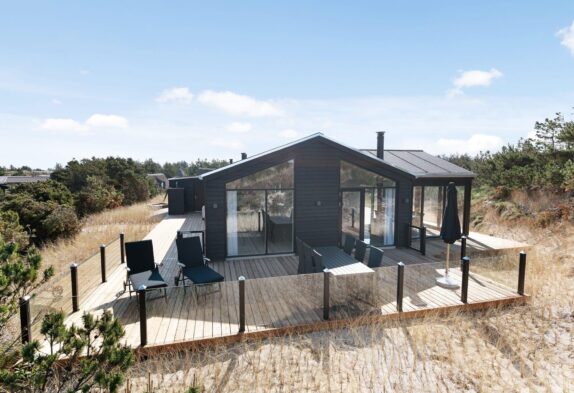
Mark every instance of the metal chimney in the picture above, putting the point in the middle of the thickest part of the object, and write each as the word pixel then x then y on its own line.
pixel 381 144
pixel 243 156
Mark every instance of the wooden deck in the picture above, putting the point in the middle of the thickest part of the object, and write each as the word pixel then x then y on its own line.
pixel 278 301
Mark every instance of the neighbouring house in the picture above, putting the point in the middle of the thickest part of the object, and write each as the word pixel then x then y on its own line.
pixel 10 181
pixel 319 190
pixel 160 179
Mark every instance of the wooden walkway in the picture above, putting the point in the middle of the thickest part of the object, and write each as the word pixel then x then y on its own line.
pixel 278 301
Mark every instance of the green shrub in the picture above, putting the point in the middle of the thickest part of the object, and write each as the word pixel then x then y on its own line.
pixel 47 220
pixel 82 358
pixel 48 191
pixel 97 196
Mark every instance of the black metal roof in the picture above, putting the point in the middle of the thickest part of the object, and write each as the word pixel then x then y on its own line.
pixel 423 165
pixel 412 163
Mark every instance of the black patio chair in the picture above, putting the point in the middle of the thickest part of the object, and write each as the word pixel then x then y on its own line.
pixel 360 250
pixel 375 257
pixel 318 266
pixel 193 264
pixel 301 266
pixel 307 259
pixel 141 267
pixel 349 244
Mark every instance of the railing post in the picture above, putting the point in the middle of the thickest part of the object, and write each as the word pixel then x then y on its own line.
pixel 25 320
pixel 103 261
pixel 122 248
pixel 465 272
pixel 241 304
pixel 400 282
pixel 462 246
pixel 179 234
pixel 521 272
pixel 326 294
pixel 143 315
pixel 74 277
pixel 423 240
pixel 259 221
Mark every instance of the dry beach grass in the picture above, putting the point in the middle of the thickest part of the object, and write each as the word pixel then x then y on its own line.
pixel 135 221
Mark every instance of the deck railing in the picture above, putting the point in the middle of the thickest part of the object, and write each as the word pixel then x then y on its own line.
pixel 283 302
pixel 65 291
pixel 417 238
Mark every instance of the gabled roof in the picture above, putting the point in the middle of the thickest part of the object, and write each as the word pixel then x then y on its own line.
pixel 411 163
pixel 423 165
pixel 319 136
pixel 23 179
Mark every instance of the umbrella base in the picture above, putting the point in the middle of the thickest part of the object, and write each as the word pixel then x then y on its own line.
pixel 447 282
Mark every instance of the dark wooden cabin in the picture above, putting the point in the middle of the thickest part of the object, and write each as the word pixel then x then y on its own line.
pixel 318 190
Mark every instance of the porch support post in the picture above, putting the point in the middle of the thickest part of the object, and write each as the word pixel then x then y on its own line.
pixel 466 211
pixel 326 294
pixel 400 282
pixel 241 280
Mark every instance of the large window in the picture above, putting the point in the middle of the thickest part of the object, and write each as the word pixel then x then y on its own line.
pixel 368 205
pixel 260 212
pixel 428 207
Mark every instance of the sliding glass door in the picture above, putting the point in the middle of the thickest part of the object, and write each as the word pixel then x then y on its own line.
pixel 367 205
pixel 260 212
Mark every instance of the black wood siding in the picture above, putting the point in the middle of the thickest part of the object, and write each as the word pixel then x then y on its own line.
pixel 317 168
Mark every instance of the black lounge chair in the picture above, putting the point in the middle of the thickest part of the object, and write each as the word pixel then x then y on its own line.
pixel 193 264
pixel 141 267
pixel 349 244
pixel 375 257
pixel 360 250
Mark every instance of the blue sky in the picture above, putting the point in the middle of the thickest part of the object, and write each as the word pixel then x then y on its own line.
pixel 182 80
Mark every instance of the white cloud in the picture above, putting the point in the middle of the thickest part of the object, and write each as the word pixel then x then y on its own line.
pixel 66 125
pixel 227 143
pixel 473 145
pixel 94 121
pixel 473 78
pixel 108 121
pixel 566 36
pixel 288 134
pixel 238 127
pixel 84 72
pixel 236 104
pixel 180 95
pixel 55 101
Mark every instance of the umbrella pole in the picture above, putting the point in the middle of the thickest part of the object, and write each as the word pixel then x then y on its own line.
pixel 446 281
pixel 447 258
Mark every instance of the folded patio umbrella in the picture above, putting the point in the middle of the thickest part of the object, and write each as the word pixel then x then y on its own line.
pixel 449 232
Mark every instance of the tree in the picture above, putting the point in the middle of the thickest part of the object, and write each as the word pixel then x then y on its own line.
pixel 81 358
pixel 19 275
pixel 11 230
pixel 97 196
pixel 548 132
pixel 47 220
pixel 47 191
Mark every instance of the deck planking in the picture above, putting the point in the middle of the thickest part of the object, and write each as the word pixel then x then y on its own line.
pixel 277 299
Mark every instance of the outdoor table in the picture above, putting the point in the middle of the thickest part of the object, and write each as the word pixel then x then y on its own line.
pixel 340 263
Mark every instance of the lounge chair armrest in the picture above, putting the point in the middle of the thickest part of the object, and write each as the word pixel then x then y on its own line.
pixel 180 264
pixel 206 260
pixel 128 269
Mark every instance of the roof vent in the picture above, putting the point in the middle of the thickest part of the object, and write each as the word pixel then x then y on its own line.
pixel 243 156
pixel 381 144
pixel 231 160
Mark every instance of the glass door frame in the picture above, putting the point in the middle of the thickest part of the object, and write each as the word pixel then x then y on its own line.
pixel 266 191
pixel 361 191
